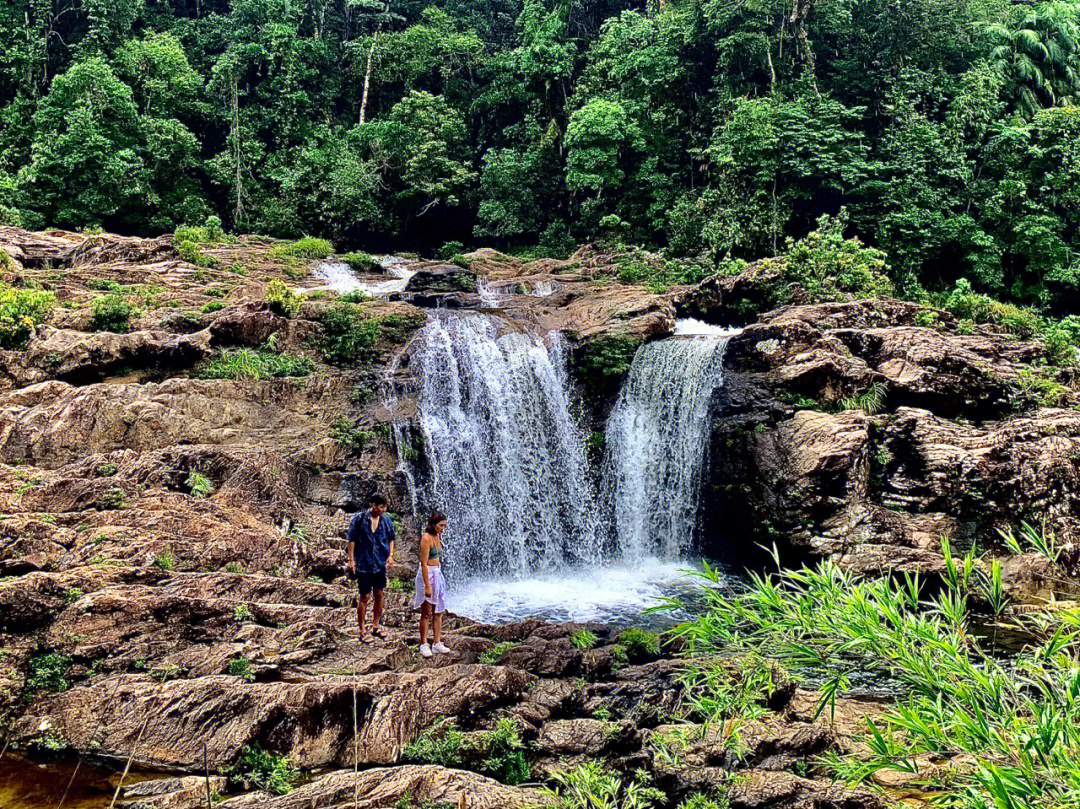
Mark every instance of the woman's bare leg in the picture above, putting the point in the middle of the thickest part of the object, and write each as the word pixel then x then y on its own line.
pixel 437 626
pixel 425 611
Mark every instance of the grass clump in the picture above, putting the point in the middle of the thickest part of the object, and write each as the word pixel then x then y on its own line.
pixel 241 667
pixel 48 672
pixel 112 312
pixel 72 594
pixel 492 656
pixel 359 261
pixel 870 401
pixel 1010 724
pixel 243 613
pixel 440 744
pixel 308 247
pixel 248 363
pixel 640 644
pixel 234 567
pixel 594 785
pixel 165 560
pixel 282 300
pixel 106 470
pixel 112 500
pixel 348 336
pixel 504 754
pixel 268 771
pixel 209 308
pixel 350 435
pixel 584 639
pixel 199 485
pixel 21 310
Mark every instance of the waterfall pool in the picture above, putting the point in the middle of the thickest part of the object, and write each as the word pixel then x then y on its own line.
pixel 612 594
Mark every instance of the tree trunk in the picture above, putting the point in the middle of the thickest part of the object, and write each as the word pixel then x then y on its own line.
pixel 367 73
pixel 800 10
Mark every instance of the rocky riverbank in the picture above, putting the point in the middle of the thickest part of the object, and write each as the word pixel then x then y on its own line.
pixel 171 542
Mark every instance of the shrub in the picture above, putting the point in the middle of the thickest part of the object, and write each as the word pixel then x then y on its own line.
pixel 583 639
pixel 189 251
pixel 305 248
pixel 440 744
pixel 241 667
pixel 20 311
pixel 48 672
pixel 640 644
pixel 605 361
pixel 199 485
pixel 72 594
pixel 165 560
pixel 112 500
pixel 1038 388
pixel 243 613
pixel 234 567
pixel 449 250
pixel 106 470
pixel 112 313
pixel 504 757
pixel 397 328
pixel 350 435
pixel 210 232
pixel 348 336
pixel 492 656
pixel 593 785
pixel 830 267
pixel 360 261
pixel 211 307
pixel 282 300
pixel 247 363
pixel 266 770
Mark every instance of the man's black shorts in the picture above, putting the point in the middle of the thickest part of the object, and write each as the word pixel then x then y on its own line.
pixel 366 582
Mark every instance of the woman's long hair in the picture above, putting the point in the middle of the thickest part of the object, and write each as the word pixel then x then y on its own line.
pixel 432 521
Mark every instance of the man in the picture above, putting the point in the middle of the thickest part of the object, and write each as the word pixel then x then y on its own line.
pixel 370 552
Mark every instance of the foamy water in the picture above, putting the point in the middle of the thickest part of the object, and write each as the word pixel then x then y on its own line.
pixel 341 279
pixel 692 327
pixel 615 594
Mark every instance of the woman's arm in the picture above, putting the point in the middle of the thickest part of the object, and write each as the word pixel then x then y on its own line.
pixel 425 549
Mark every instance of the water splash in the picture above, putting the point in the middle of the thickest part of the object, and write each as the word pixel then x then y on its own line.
pixel 340 278
pixel 507 460
pixel 656 441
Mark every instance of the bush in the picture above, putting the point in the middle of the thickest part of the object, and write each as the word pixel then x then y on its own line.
pixel 243 613
pixel 504 754
pixel 492 656
pixel 189 251
pixel 20 311
pixel 112 313
pixel 305 248
pixel 199 485
pixel 106 470
pixel 967 304
pixel 48 672
pixel 397 328
pixel 241 667
pixel 282 300
pixel 603 362
pixel 440 744
pixel 210 232
pixel 832 268
pixel 360 261
pixel 593 785
pixel 165 560
pixel 583 639
pixel 348 336
pixel 113 500
pixel 210 308
pixel 266 770
pixel 349 435
pixel 247 363
pixel 449 250
pixel 640 644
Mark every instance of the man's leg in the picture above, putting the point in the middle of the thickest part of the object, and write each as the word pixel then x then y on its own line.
pixel 361 611
pixel 376 610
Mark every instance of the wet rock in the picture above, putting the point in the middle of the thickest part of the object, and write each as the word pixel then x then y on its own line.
pixel 184 792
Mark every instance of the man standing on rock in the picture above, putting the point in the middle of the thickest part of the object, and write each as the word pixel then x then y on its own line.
pixel 370 552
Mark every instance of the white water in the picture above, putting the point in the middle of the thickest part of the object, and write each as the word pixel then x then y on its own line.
pixel 656 441
pixel 340 278
pixel 507 459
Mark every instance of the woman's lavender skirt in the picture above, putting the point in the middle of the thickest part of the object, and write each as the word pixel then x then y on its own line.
pixel 438 589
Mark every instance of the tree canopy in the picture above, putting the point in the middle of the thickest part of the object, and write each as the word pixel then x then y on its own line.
pixel 946 130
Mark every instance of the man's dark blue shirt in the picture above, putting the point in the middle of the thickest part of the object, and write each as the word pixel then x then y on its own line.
pixel 370 549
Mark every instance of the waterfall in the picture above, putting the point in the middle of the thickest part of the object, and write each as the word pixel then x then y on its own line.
pixel 656 441
pixel 506 458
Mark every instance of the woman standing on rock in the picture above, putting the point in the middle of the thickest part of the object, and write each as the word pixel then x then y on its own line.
pixel 430 596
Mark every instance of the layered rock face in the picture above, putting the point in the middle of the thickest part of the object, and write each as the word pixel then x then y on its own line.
pixel 850 432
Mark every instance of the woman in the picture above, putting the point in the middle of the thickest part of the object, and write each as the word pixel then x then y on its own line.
pixel 430 586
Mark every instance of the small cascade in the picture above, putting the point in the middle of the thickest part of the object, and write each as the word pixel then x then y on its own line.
pixel 656 442
pixel 506 458
pixel 339 277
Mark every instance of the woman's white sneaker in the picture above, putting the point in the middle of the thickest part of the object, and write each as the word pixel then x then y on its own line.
pixel 441 649
pixel 425 650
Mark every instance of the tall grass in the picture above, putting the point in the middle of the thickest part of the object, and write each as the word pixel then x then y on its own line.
pixel 246 363
pixel 1003 733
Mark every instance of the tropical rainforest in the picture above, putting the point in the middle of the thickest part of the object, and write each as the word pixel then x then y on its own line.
pixel 941 132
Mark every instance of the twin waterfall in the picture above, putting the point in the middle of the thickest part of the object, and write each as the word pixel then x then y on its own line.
pixel 507 460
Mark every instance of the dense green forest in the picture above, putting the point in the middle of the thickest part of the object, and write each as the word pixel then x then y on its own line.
pixel 942 129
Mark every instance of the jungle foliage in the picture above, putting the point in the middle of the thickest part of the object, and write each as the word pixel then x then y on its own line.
pixel 946 129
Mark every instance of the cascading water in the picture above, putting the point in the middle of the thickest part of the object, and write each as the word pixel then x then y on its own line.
pixel 507 460
pixel 656 441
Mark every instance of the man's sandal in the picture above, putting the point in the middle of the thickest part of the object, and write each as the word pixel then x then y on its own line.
pixel 366 639
pixel 379 632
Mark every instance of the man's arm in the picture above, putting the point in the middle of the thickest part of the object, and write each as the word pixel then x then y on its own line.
pixel 350 546
pixel 392 533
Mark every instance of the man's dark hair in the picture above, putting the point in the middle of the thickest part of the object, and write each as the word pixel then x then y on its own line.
pixel 377 500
